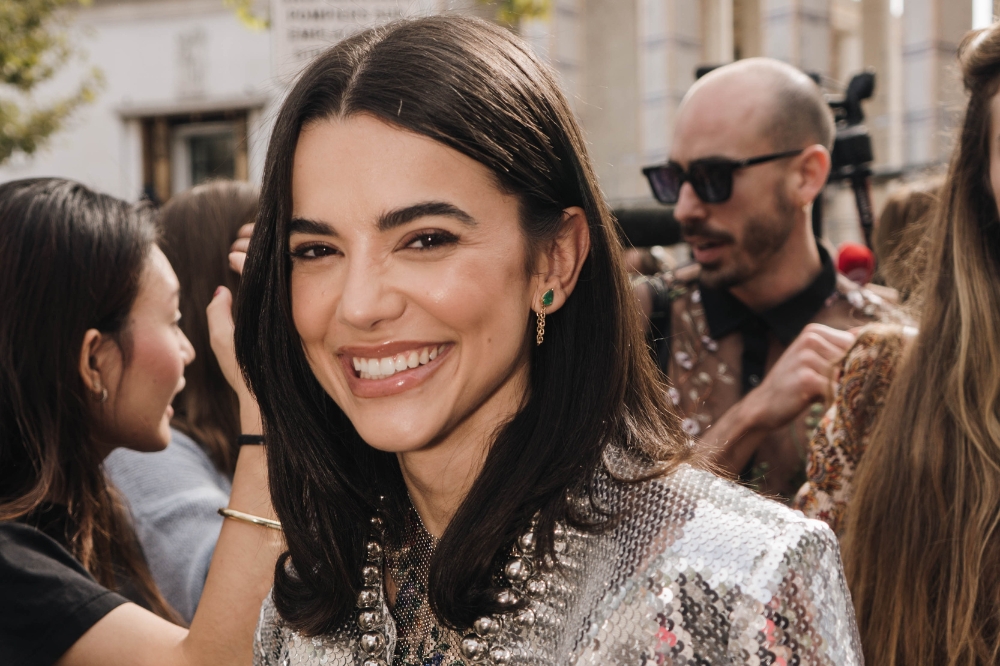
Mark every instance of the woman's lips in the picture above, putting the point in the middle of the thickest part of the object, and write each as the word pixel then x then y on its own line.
pixel 383 371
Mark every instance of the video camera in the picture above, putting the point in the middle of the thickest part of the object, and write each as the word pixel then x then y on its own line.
pixel 852 153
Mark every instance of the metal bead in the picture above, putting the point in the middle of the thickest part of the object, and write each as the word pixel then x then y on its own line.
pixel 486 626
pixel 517 570
pixel 499 654
pixel 374 662
pixel 370 575
pixel 558 532
pixel 378 523
pixel 372 642
pixel 473 648
pixel 559 546
pixel 525 618
pixel 507 597
pixel 536 587
pixel 374 551
pixel 370 620
pixel 368 598
pixel 527 543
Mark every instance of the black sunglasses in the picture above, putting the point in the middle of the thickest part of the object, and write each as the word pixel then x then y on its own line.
pixel 711 178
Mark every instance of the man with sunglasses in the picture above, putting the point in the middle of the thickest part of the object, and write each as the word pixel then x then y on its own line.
pixel 751 332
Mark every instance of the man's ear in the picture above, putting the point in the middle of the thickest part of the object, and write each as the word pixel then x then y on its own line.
pixel 811 175
pixel 558 267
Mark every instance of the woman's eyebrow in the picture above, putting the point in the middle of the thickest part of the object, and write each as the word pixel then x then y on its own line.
pixel 301 225
pixel 401 216
pixel 386 221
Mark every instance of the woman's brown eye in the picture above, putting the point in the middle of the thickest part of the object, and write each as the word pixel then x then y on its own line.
pixel 312 252
pixel 430 240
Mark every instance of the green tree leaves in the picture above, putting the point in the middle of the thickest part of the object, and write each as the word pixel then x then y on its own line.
pixel 34 45
pixel 512 11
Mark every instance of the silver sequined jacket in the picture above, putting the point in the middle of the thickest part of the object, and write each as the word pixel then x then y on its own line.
pixel 697 571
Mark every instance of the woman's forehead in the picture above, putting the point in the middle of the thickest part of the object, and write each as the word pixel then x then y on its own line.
pixel 362 168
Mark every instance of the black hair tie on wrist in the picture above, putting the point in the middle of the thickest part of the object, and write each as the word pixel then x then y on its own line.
pixel 249 439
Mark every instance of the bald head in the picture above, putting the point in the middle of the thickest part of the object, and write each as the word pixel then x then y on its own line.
pixel 768 97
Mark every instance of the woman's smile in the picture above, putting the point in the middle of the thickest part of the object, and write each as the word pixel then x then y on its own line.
pixel 391 368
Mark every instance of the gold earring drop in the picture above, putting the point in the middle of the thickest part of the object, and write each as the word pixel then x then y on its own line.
pixel 547 299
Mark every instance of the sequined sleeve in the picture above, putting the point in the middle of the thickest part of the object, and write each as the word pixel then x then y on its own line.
pixel 727 577
pixel 844 432
pixel 275 644
pixel 269 638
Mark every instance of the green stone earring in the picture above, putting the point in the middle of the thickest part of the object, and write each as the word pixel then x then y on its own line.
pixel 547 299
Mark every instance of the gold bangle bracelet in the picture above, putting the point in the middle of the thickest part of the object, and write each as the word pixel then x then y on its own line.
pixel 247 518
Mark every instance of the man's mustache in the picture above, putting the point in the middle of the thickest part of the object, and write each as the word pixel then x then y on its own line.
pixel 701 230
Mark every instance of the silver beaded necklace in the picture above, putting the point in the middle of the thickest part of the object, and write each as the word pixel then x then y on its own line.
pixel 481 644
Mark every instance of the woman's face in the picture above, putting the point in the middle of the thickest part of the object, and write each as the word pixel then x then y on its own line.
pixel 137 413
pixel 409 284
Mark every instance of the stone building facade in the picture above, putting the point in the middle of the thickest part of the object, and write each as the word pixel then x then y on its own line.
pixel 190 91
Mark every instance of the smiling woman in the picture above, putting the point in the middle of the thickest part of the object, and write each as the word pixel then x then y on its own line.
pixel 451 490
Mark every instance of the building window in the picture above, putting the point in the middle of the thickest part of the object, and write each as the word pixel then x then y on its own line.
pixel 181 151
pixel 202 151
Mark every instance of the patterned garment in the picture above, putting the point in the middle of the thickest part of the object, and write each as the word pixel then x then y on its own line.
pixel 836 449
pixel 420 640
pixel 705 366
pixel 697 571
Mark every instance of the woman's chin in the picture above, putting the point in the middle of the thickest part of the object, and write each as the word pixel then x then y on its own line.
pixel 391 441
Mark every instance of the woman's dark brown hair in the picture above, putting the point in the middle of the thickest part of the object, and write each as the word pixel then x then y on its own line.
pixel 922 541
pixel 70 261
pixel 197 227
pixel 478 89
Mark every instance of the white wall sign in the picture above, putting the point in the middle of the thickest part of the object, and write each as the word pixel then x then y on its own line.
pixel 301 29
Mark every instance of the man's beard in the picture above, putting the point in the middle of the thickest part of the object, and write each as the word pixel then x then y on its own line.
pixel 763 237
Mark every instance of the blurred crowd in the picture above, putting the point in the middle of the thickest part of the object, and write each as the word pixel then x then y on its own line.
pixel 854 385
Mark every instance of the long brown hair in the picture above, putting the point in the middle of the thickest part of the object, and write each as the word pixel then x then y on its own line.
pixel 922 544
pixel 70 261
pixel 197 227
pixel 478 89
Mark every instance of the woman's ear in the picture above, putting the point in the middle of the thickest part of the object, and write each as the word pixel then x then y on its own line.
pixel 95 361
pixel 560 264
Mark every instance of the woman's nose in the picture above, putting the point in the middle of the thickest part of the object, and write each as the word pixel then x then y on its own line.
pixel 187 349
pixel 368 296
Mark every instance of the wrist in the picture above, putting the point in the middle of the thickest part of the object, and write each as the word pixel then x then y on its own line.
pixel 250 419
pixel 751 413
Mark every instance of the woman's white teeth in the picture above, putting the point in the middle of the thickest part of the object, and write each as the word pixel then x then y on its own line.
pixel 380 368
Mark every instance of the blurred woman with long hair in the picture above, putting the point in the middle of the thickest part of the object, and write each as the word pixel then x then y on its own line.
pixel 91 356
pixel 174 495
pixel 469 447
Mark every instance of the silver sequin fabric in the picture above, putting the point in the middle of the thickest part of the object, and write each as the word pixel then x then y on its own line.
pixel 697 570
